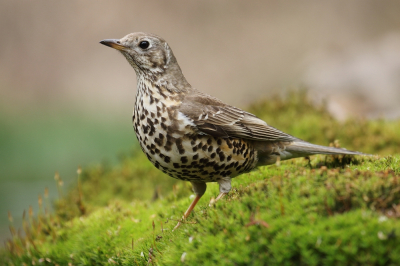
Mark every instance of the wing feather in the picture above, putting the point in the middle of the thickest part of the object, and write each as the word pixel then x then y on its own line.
pixel 213 117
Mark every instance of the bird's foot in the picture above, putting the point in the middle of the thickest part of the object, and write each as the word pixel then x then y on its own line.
pixel 178 224
pixel 220 196
pixel 213 201
pixel 182 221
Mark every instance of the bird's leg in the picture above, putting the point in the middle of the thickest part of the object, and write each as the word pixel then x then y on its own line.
pixel 220 196
pixel 224 188
pixel 188 211
pixel 199 189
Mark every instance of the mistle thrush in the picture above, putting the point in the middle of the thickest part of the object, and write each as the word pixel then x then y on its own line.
pixel 192 136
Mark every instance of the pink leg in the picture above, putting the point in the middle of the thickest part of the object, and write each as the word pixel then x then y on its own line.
pixel 199 189
pixel 220 196
pixel 189 210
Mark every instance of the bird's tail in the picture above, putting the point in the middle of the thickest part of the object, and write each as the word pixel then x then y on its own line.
pixel 302 148
pixel 268 153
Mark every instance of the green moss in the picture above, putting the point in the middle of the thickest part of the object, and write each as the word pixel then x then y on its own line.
pixel 324 211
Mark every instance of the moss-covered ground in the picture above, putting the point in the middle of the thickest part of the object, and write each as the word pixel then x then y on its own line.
pixel 323 210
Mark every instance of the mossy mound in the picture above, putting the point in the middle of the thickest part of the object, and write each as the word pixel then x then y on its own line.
pixel 324 211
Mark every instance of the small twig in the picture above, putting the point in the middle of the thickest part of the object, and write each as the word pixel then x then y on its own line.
pixel 330 213
pixel 256 222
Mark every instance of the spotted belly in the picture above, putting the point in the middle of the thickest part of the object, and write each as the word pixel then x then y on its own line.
pixel 200 158
pixel 171 141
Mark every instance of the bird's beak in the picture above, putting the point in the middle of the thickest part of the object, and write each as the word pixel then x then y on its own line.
pixel 114 43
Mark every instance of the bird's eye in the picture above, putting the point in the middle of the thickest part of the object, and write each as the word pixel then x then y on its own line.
pixel 144 44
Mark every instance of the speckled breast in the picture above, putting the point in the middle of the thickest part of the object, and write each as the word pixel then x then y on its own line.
pixel 171 143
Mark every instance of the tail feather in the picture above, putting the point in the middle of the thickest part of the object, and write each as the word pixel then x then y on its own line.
pixel 268 153
pixel 302 148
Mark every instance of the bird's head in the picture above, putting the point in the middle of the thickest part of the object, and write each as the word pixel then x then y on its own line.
pixel 146 52
pixel 151 56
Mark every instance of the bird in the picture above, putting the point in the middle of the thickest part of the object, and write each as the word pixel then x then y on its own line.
pixel 192 136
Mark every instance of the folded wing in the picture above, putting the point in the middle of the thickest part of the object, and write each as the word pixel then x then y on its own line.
pixel 213 117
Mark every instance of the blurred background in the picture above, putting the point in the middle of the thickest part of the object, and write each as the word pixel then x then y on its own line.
pixel 66 100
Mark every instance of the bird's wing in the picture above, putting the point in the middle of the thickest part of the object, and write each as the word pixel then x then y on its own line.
pixel 213 117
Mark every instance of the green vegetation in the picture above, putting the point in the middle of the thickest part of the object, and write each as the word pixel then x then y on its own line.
pixel 328 210
pixel 36 143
